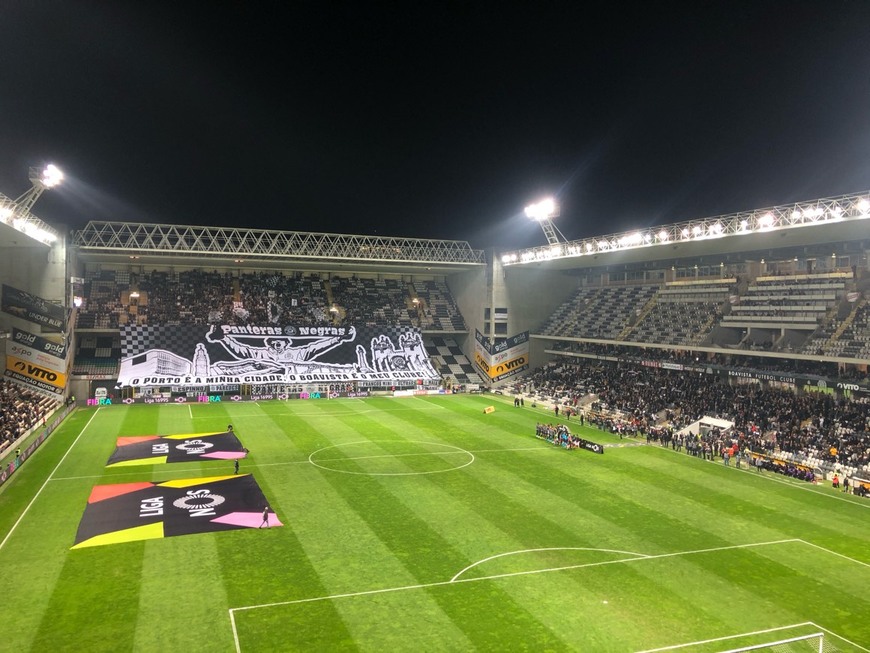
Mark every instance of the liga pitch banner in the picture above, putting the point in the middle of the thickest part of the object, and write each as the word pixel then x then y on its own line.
pixel 197 355
pixel 128 512
pixel 157 449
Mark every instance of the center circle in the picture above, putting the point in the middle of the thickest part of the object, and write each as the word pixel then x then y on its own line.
pixel 391 458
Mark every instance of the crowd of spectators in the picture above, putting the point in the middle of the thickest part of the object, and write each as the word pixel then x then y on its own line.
pixel 820 369
pixel 20 410
pixel 663 402
pixel 112 299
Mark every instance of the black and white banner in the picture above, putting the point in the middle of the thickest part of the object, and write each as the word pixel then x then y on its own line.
pixel 196 355
pixel 34 309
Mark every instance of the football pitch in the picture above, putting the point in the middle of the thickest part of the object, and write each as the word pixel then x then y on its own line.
pixel 423 524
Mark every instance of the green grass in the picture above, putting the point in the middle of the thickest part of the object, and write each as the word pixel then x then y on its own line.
pixel 549 550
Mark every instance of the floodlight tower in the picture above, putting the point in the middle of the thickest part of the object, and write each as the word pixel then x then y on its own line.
pixel 17 213
pixel 543 212
pixel 48 177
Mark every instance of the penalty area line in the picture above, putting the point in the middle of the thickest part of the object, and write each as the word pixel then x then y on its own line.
pixel 727 637
pixel 386 590
pixel 839 555
pixel 849 642
pixel 454 581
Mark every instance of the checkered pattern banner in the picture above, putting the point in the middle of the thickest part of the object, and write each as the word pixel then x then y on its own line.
pixel 196 355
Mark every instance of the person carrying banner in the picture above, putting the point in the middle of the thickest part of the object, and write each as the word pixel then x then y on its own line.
pixel 265 521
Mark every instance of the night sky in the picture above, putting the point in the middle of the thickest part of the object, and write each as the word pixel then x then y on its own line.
pixel 433 119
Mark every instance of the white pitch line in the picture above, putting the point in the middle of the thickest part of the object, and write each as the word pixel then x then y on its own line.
pixel 296 462
pixel 821 548
pixel 613 562
pixel 554 548
pixel 235 632
pixel 190 411
pixel 771 476
pixel 430 453
pixel 849 642
pixel 508 575
pixel 35 496
pixel 346 413
pixel 139 473
pixel 722 639
pixel 398 455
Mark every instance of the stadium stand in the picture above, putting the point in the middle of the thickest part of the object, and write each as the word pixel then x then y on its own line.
pixel 116 298
pixel 373 301
pixel 113 298
pixel 438 309
pixel 451 363
pixel 683 313
pixel 813 429
pixel 602 313
pixel 20 411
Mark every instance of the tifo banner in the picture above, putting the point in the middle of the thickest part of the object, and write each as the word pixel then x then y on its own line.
pixel 129 512
pixel 34 376
pixel 33 309
pixel 156 449
pixel 38 350
pixel 197 355
pixel 502 360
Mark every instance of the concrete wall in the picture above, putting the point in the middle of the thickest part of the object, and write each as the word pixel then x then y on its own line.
pixel 470 291
pixel 530 295
pixel 32 267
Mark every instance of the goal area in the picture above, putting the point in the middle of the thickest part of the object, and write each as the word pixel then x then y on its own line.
pixel 798 638
pixel 812 643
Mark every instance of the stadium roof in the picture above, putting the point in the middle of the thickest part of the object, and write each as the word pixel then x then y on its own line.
pixel 158 243
pixel 816 222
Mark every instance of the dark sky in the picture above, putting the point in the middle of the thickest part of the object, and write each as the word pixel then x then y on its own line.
pixel 433 119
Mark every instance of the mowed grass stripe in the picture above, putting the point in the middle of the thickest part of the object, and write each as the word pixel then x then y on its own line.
pixel 425 554
pixel 411 538
pixel 72 613
pixel 601 495
pixel 345 546
pixel 718 512
pixel 803 497
pixel 746 500
pixel 186 568
pixel 34 554
pixel 357 533
pixel 795 577
pixel 283 564
pixel 496 502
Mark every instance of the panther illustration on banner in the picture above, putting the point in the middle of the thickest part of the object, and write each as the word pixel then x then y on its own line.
pixel 196 355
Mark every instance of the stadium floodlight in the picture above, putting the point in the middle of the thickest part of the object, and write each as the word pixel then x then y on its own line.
pixel 17 213
pixel 543 212
pixel 48 177
pixel 51 176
